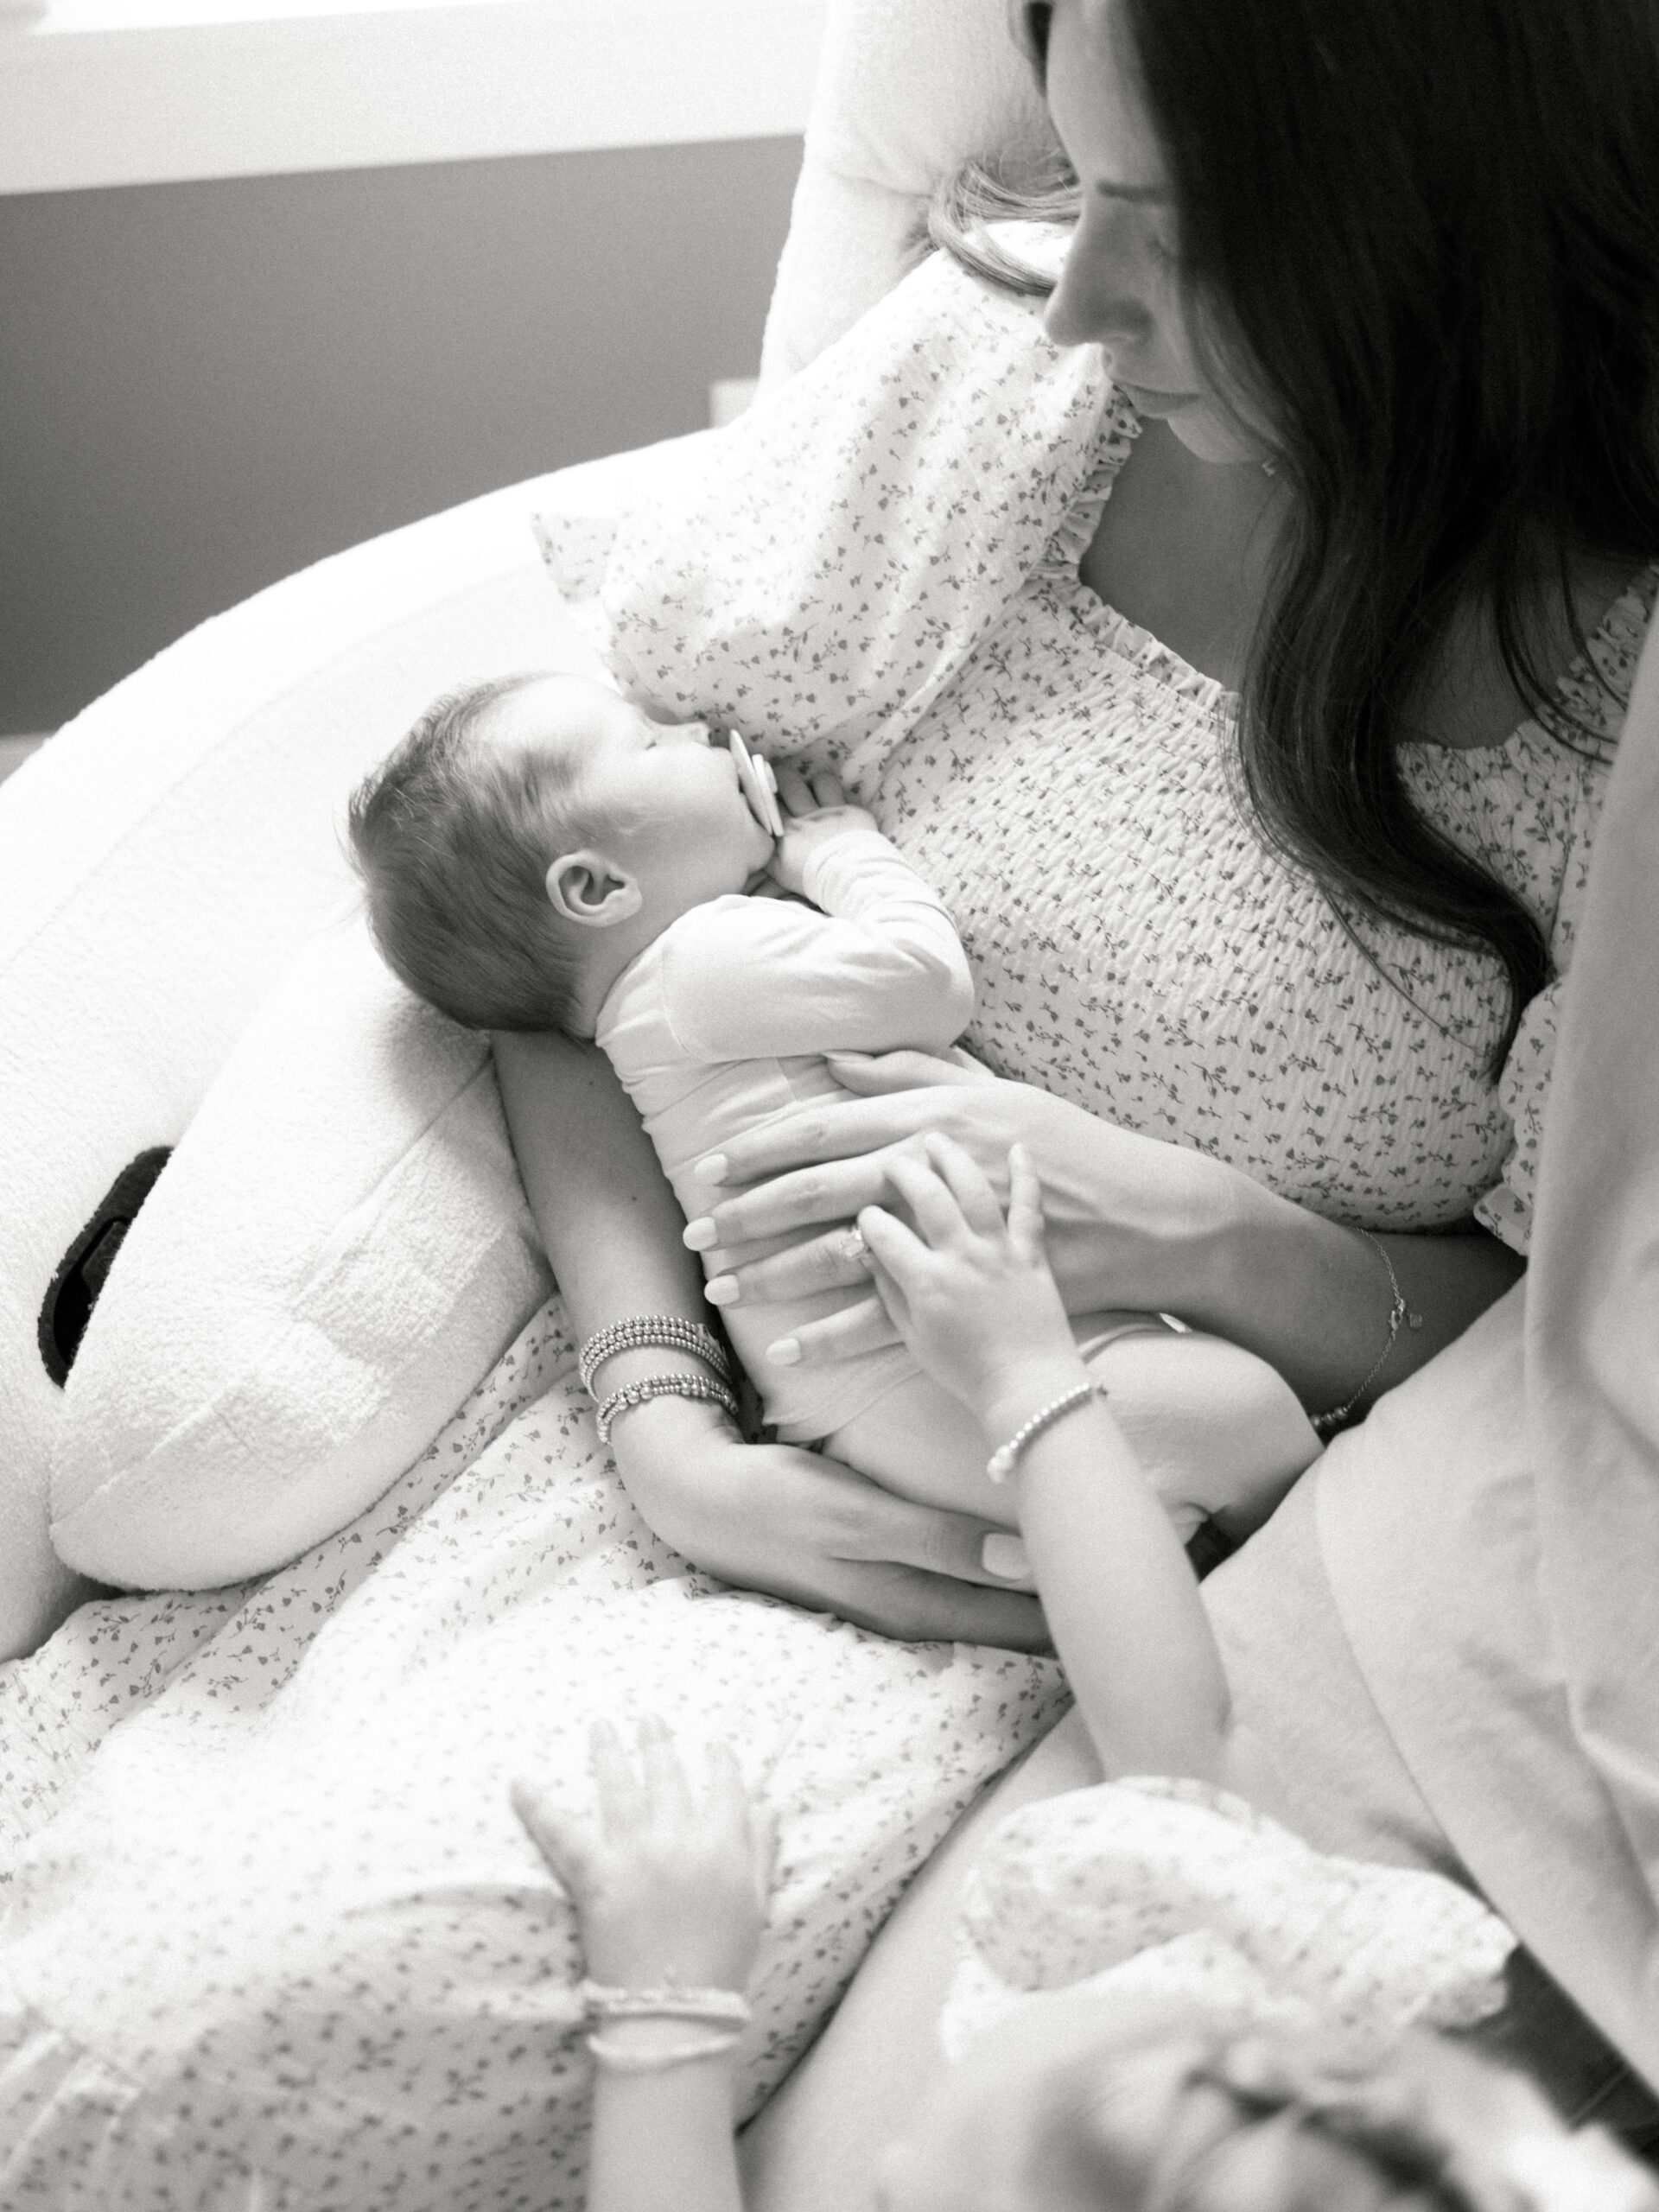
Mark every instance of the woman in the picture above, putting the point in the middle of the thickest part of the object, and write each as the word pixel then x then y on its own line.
pixel 1389 463
pixel 317 1967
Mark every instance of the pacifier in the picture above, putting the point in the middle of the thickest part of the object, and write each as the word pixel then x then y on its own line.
pixel 758 785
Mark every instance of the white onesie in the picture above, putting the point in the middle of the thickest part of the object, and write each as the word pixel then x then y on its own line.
pixel 722 1023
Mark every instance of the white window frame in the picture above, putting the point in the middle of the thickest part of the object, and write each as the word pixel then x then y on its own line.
pixel 96 92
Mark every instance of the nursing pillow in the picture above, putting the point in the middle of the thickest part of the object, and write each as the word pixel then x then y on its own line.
pixel 176 846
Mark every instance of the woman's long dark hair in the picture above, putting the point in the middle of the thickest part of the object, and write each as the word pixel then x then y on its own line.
pixel 1428 231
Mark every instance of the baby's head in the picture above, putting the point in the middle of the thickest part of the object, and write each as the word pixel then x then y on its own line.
pixel 530 836
pixel 1088 2102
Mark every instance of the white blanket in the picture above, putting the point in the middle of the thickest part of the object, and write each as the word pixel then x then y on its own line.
pixel 363 1996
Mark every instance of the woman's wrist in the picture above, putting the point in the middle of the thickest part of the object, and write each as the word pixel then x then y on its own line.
pixel 669 1431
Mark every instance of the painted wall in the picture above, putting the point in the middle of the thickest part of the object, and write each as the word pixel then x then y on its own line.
pixel 204 386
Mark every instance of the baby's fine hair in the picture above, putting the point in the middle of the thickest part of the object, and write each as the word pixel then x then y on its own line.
pixel 452 837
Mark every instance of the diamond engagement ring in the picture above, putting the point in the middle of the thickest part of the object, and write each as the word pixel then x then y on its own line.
pixel 851 1246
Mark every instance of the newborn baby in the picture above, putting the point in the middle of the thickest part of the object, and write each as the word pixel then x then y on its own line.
pixel 541 854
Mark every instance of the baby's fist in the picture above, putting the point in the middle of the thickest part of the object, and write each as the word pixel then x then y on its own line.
pixel 815 812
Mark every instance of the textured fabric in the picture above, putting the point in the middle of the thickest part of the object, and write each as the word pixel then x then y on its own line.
pixel 338 1249
pixel 896 606
pixel 1154 1884
pixel 283 1947
pixel 722 1023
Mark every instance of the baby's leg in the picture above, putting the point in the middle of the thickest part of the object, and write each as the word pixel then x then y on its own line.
pixel 1220 1434
pixel 1218 1431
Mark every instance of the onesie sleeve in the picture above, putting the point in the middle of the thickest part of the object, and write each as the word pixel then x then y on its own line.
pixel 751 978
pixel 847 543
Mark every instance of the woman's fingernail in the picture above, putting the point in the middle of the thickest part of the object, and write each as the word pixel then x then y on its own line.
pixel 701 1234
pixel 723 1290
pixel 787 1352
pixel 1005 1556
pixel 714 1169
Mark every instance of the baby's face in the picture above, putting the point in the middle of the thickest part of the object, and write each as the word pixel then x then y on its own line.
pixel 671 802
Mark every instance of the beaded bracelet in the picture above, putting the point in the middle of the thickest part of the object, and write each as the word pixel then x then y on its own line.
pixel 663 1332
pixel 661 1386
pixel 1399 1316
pixel 1003 1460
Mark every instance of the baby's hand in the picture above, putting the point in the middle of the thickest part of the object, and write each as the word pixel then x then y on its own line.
pixel 970 1294
pixel 815 809
pixel 672 1885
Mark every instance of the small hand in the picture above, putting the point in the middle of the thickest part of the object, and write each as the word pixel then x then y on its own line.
pixel 970 1292
pixel 672 1884
pixel 815 810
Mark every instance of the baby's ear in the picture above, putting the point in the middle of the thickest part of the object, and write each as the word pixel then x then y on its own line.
pixel 589 888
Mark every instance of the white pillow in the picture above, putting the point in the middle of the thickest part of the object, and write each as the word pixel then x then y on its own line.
pixel 337 1251
pixel 906 91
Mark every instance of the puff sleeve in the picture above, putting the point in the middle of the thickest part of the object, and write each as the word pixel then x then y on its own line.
pixel 848 542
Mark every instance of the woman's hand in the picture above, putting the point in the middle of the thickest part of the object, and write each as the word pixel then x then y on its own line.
pixel 804 1528
pixel 1132 1221
pixel 671 1884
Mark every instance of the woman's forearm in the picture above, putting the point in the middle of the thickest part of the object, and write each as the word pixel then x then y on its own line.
pixel 609 1220
pixel 1314 1299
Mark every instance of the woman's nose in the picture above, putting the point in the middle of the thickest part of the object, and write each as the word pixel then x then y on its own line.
pixel 1099 300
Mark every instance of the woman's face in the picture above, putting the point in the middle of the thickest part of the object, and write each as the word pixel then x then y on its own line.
pixel 1121 286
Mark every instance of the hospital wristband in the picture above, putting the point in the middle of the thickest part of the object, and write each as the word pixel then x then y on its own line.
pixel 725 2011
pixel 669 2000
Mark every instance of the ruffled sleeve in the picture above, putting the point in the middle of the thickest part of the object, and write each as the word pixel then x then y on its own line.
pixel 1155 1884
pixel 850 541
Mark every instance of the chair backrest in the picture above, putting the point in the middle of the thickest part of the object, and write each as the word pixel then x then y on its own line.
pixel 907 90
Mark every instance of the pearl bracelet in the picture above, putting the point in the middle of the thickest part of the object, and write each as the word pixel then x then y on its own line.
pixel 662 1331
pixel 1005 1458
pixel 661 1386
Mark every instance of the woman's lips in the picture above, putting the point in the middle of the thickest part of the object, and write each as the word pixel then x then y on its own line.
pixel 1145 401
